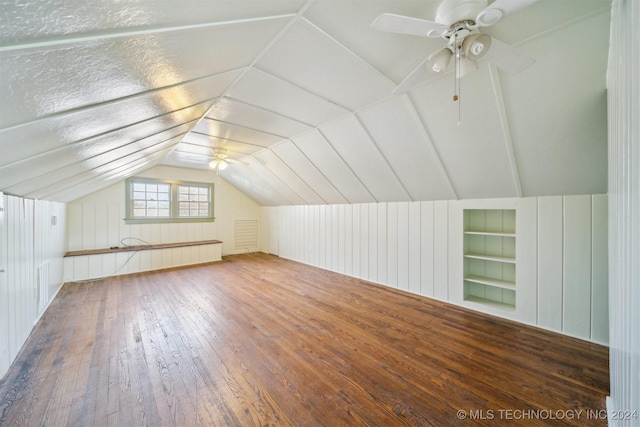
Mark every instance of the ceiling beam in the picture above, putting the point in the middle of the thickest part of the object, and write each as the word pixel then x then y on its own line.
pixel 133 33
pixel 506 130
pixel 429 140
pixel 347 166
pixel 384 158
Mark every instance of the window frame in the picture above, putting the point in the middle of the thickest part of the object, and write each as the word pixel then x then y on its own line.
pixel 173 202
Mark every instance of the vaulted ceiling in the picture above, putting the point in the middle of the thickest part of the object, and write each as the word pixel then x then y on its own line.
pixel 93 92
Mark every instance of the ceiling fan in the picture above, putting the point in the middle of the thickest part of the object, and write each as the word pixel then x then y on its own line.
pixel 221 159
pixel 458 22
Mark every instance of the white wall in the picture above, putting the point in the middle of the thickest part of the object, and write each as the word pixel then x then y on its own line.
pixel 32 234
pixel 96 221
pixel 624 206
pixel 561 252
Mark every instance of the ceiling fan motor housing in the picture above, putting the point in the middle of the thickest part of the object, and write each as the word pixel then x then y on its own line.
pixel 452 11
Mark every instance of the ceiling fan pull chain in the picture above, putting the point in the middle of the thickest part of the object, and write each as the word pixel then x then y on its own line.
pixel 456 65
pixel 456 97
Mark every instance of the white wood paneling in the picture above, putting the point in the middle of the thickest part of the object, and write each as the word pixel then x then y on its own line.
pixel 441 253
pixel 274 235
pixel 392 244
pixel 268 92
pixel 314 235
pixel 623 106
pixel 32 234
pixel 256 118
pixel 306 233
pixel 280 169
pixel 98 217
pixel 303 167
pixel 322 236
pixel 414 256
pixel 477 166
pixel 364 241
pixel 550 262
pixel 373 242
pixel 274 181
pixel 454 248
pixel 577 266
pixel 328 235
pixel 403 245
pixel 419 246
pixel 317 149
pixel 399 134
pixel 5 354
pixel 551 165
pixel 335 237
pixel 599 270
pixel 348 137
pixel 88 267
pixel 356 249
pixel 382 238
pixel 284 233
pixel 341 238
pixel 348 242
pixel 426 248
pixel 315 62
pixel 526 252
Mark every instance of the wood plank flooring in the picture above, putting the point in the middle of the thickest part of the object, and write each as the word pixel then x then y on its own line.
pixel 259 340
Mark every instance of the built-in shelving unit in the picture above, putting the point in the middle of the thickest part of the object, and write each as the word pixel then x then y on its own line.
pixel 490 257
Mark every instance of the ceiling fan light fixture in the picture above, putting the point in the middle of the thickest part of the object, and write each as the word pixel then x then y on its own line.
pixel 439 60
pixel 222 165
pixel 475 46
pixel 213 164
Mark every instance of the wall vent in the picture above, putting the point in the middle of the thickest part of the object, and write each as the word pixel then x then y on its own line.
pixel 246 235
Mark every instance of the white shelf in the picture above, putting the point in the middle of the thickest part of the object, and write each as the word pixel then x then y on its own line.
pixel 490 250
pixel 491 233
pixel 491 303
pixel 496 258
pixel 490 282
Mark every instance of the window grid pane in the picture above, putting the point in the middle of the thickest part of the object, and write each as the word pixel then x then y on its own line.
pixel 155 200
pixel 193 201
pixel 146 199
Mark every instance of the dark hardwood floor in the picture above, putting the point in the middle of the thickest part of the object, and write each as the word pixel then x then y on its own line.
pixel 259 340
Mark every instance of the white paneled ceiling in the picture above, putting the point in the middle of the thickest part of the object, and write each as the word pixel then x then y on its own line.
pixel 300 90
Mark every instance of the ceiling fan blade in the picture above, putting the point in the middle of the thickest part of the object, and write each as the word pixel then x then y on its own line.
pixel 406 25
pixel 507 57
pixel 500 9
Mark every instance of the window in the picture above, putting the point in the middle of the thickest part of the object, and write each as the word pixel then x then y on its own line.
pixel 193 201
pixel 151 201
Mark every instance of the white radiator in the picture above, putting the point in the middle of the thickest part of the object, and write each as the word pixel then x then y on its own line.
pixel 42 286
pixel 246 235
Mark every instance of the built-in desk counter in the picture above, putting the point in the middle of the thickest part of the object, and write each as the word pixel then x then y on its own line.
pixel 96 263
